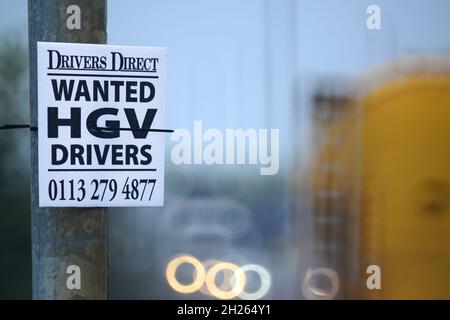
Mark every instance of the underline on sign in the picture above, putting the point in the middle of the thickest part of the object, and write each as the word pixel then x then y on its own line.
pixel 105 70
pixel 94 170
pixel 100 75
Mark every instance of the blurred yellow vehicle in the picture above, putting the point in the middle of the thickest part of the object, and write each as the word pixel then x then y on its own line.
pixel 390 187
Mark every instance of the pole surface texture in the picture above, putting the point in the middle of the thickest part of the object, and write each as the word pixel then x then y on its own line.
pixel 64 237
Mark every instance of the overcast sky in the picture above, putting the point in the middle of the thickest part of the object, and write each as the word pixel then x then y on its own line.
pixel 232 62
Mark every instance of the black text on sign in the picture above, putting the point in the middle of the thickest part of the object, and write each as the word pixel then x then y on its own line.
pixel 98 106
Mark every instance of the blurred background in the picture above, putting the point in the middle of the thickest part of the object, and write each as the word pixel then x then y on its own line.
pixel 364 179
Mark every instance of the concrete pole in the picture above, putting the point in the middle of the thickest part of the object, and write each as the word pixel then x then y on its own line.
pixel 62 237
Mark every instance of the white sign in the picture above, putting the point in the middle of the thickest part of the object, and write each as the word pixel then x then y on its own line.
pixel 100 108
